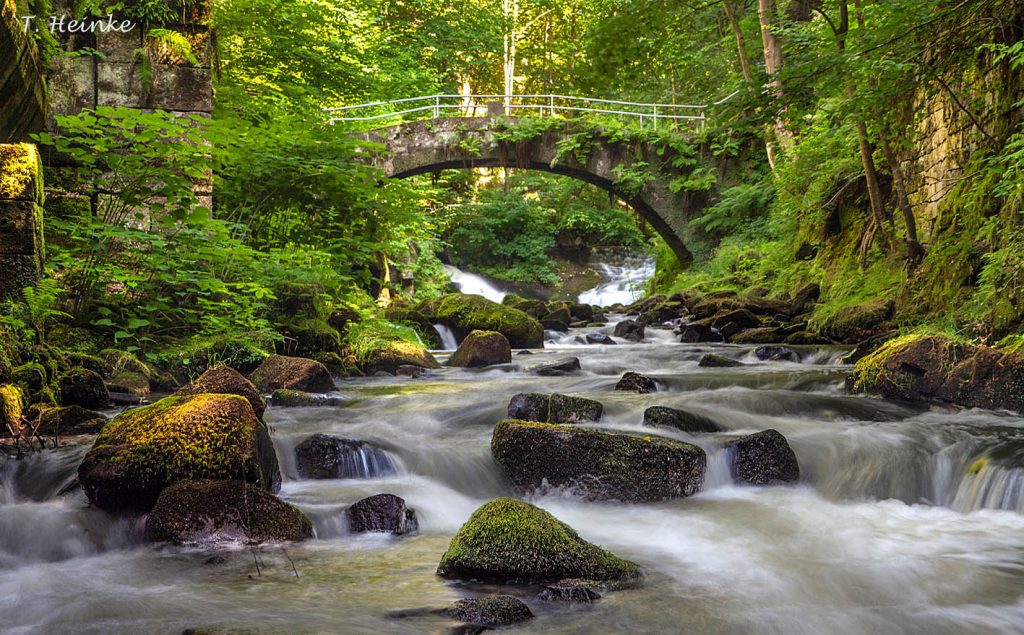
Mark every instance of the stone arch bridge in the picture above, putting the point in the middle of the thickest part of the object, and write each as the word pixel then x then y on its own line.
pixel 639 172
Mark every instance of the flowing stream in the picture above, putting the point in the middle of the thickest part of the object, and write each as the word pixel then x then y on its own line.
pixel 907 519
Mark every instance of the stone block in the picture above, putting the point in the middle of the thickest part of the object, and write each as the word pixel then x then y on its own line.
pixel 20 228
pixel 20 271
pixel 72 84
pixel 118 84
pixel 21 173
pixel 119 47
pixel 182 88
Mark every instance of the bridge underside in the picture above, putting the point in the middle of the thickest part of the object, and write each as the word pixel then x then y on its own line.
pixel 424 147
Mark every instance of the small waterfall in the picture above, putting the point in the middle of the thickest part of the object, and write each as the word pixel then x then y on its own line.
pixel 989 486
pixel 323 456
pixel 362 460
pixel 474 284
pixel 623 283
pixel 448 340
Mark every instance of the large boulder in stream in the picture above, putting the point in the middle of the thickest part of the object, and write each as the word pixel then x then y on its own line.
pixel 292 373
pixel 763 458
pixel 83 387
pixel 936 368
pixel 682 420
pixel 635 382
pixel 464 313
pixel 600 465
pixel 143 451
pixel 224 380
pixel 630 330
pixel 511 541
pixel 554 408
pixel 206 511
pixel 323 456
pixel 482 348
pixel 391 355
pixel 383 513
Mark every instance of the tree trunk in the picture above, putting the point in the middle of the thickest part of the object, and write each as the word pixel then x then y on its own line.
pixel 772 65
pixel 741 43
pixel 384 297
pixel 867 158
pixel 915 251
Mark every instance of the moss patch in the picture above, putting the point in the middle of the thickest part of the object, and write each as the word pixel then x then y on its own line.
pixel 465 313
pixel 20 172
pixel 508 540
pixel 11 409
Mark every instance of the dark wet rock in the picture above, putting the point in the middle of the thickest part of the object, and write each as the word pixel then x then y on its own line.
pixel 777 354
pixel 559 314
pixel 482 348
pixel 563 367
pixel 761 335
pixel 65 420
pixel 224 380
pixel 555 325
pixel 936 368
pixel 554 408
pixel 490 610
pixel 292 373
pixel 385 513
pixel 729 330
pixel 805 297
pixel 662 312
pixel 856 323
pixel 806 337
pixel 524 352
pixel 508 540
pixel 298 399
pixel 207 511
pixel 323 456
pixel 763 458
pixel 698 333
pixel 85 388
pixel 571 590
pixel 601 465
pixel 630 330
pixel 598 317
pixel 664 417
pixel 142 451
pixel 128 382
pixel 710 360
pixel 409 371
pixel 712 305
pixel 582 312
pixel 742 318
pixel 124 399
pixel 599 338
pixel 635 382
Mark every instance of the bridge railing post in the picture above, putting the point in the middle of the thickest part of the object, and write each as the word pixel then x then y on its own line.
pixel 655 116
pixel 437 106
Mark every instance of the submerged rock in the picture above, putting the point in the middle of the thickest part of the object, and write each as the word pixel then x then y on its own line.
pixel 323 456
pixel 601 465
pixel 556 369
pixel 508 540
pixel 663 417
pixel 554 408
pixel 298 399
pixel 292 373
pixel 635 382
pixel 208 511
pixel 142 451
pixel 936 368
pixel 698 333
pixel 385 513
pixel 482 348
pixel 630 330
pixel 777 354
pixel 573 591
pixel 224 380
pixel 763 458
pixel 711 360
pixel 490 610
pixel 599 338
pixel 85 388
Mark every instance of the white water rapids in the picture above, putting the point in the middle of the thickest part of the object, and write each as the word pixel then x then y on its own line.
pixel 906 519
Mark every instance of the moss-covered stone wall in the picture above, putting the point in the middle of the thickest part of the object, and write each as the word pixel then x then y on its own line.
pixel 21 216
pixel 22 89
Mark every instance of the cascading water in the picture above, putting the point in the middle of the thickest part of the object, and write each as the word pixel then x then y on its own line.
pixel 448 339
pixel 907 519
pixel 623 283
pixel 472 283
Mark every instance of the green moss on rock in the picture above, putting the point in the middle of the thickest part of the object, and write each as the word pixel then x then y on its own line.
pixel 464 313
pixel 31 376
pixel 21 174
pixel 391 354
pixel 208 511
pixel 142 451
pixel 128 382
pixel 83 387
pixel 292 373
pixel 602 465
pixel 12 402
pixel 224 380
pixel 508 540
pixel 482 348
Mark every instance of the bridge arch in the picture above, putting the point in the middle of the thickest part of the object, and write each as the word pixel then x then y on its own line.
pixel 638 172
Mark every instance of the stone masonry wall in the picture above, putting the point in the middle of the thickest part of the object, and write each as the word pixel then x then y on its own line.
pixel 22 90
pixel 21 215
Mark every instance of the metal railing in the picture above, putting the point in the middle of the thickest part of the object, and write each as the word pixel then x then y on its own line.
pixel 516 105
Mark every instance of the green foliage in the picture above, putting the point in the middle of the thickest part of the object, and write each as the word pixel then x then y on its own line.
pixel 737 206
pixel 30 319
pixel 372 335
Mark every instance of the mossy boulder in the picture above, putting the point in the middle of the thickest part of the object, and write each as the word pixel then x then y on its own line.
pixel 855 323
pixel 710 360
pixel 89 362
pixel 31 376
pixel 308 335
pixel 482 348
pixel 600 465
pixel 323 456
pixel 936 368
pixel 298 399
pixel 83 387
pixel 218 511
pixel 683 420
pixel 396 353
pixel 115 362
pixel 764 458
pixel 464 313
pixel 292 373
pixel 381 513
pixel 208 436
pixel 129 383
pixel 66 420
pixel 490 610
pixel 508 540
pixel 554 408
pixel 224 380
pixel 195 357
pixel 12 402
